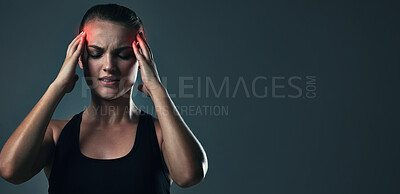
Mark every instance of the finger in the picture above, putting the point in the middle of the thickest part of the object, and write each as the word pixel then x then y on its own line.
pixel 147 44
pixel 143 46
pixel 73 42
pixel 138 55
pixel 142 36
pixel 72 45
pixel 81 43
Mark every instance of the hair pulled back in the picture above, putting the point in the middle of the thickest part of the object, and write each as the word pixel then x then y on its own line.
pixel 113 13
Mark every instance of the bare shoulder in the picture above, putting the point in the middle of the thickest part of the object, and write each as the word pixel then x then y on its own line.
pixel 158 131
pixel 56 127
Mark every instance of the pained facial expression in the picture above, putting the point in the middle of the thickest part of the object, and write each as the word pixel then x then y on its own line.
pixel 108 52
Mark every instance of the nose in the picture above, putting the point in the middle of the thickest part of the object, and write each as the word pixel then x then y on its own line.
pixel 109 64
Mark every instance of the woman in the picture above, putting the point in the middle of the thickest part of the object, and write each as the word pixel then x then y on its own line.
pixel 112 146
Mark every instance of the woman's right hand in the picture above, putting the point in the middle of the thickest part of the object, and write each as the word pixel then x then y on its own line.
pixel 67 77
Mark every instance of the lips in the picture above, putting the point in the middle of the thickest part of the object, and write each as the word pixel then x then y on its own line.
pixel 109 80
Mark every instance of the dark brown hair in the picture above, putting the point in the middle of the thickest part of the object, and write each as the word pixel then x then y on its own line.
pixel 113 13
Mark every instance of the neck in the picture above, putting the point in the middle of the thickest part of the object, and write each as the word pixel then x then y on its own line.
pixel 115 111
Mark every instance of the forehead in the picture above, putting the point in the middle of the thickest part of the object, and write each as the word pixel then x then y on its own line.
pixel 105 33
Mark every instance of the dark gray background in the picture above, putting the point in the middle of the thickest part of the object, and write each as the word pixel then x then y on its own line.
pixel 343 141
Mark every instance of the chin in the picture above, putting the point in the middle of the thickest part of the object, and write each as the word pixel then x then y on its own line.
pixel 106 96
pixel 110 94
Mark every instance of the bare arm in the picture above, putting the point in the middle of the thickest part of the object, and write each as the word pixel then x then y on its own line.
pixel 183 153
pixel 185 157
pixel 31 145
pixel 20 152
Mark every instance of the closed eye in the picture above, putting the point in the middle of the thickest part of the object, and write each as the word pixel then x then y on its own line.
pixel 95 56
pixel 125 57
pixel 122 57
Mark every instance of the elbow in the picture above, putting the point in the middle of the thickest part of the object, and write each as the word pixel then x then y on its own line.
pixel 9 178
pixel 7 174
pixel 195 175
pixel 193 178
pixel 190 181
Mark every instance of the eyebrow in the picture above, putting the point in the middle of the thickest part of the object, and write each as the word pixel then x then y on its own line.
pixel 115 50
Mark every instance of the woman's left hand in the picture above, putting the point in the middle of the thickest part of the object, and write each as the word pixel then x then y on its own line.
pixel 147 66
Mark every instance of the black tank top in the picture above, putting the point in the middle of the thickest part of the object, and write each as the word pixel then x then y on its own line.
pixel 140 171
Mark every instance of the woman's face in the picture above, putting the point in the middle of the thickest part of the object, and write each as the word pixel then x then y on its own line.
pixel 108 52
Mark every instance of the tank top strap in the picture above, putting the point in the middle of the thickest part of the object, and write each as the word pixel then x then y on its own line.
pixel 150 137
pixel 66 140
